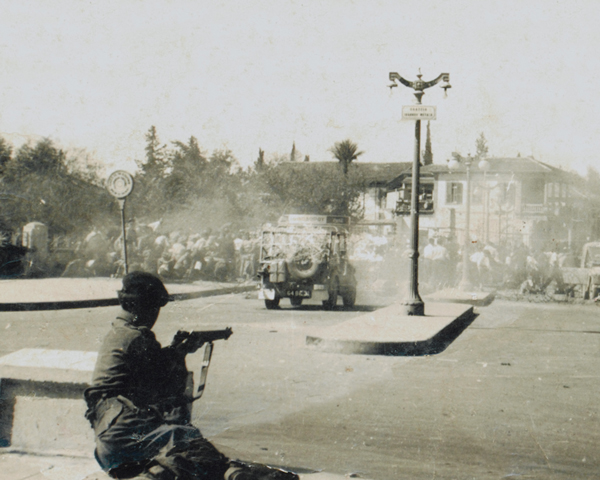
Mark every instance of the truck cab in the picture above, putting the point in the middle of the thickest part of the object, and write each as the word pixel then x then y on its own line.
pixel 306 256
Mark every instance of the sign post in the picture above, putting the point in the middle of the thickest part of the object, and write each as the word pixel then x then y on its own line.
pixel 120 186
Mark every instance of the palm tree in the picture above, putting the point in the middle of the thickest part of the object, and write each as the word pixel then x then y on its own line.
pixel 346 152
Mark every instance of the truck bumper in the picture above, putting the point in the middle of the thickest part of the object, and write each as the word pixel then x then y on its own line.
pixel 318 293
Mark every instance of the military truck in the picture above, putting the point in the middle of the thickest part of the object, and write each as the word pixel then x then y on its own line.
pixel 590 265
pixel 585 279
pixel 306 256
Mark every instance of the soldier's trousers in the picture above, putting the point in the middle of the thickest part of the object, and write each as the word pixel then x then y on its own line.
pixel 130 440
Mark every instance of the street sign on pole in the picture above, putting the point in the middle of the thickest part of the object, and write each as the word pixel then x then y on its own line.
pixel 120 185
pixel 418 112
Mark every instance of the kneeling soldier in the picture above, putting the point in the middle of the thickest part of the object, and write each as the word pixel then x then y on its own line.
pixel 137 403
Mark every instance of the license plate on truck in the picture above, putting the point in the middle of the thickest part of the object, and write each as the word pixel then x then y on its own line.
pixel 299 293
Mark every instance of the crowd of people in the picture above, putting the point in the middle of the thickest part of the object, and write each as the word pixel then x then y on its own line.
pixel 509 266
pixel 220 255
pixel 227 254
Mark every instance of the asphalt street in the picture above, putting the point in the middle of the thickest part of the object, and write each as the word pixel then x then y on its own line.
pixel 514 396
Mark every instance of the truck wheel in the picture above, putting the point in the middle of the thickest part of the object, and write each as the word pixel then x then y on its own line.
pixel 271 304
pixel 295 301
pixel 334 290
pixel 349 297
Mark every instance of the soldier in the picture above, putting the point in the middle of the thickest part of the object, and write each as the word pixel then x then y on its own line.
pixel 137 403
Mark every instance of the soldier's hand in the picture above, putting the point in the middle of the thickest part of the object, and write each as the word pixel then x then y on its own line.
pixel 185 343
pixel 179 337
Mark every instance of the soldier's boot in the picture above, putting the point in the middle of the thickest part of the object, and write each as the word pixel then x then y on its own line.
pixel 257 472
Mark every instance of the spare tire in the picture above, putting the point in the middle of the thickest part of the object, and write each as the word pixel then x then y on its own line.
pixel 303 264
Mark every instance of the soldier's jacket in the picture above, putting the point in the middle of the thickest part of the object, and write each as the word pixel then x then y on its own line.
pixel 136 403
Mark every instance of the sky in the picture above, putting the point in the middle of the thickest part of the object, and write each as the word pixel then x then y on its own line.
pixel 244 75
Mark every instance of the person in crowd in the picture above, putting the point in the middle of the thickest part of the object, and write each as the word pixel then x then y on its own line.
pixel 427 260
pixel 481 260
pixel 439 264
pixel 247 263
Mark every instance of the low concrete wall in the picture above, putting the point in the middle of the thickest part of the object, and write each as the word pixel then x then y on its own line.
pixel 41 401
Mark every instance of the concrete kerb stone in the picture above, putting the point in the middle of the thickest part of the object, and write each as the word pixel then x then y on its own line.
pixel 389 331
pixel 453 295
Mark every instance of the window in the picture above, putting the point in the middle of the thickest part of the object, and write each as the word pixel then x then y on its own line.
pixel 532 191
pixel 504 194
pixel 425 199
pixel 454 193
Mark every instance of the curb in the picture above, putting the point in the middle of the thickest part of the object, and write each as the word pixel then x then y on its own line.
pixel 477 299
pixel 111 302
pixel 433 345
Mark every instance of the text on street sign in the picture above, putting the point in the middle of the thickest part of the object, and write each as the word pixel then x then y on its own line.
pixel 418 112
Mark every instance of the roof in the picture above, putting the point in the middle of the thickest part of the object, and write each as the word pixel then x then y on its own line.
pixel 513 165
pixel 372 173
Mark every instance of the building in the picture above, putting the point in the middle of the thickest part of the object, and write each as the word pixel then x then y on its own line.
pixel 517 199
pixel 513 200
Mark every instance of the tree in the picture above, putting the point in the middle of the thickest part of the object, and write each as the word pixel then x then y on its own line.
pixel 5 154
pixel 41 158
pixel 39 186
pixel 312 189
pixel 293 153
pixel 427 153
pixel 259 164
pixel 149 194
pixel 481 146
pixel 222 163
pixel 155 165
pixel 187 166
pixel 345 152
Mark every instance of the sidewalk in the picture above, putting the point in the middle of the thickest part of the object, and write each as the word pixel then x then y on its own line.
pixel 67 293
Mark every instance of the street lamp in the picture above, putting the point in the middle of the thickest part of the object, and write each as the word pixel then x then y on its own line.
pixel 484 166
pixel 414 304
pixel 465 282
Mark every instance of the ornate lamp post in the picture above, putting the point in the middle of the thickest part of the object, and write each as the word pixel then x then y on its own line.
pixel 414 304
pixel 465 282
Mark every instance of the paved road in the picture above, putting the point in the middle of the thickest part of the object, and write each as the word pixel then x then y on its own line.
pixel 514 396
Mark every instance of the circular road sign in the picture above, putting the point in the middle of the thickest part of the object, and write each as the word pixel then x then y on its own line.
pixel 120 184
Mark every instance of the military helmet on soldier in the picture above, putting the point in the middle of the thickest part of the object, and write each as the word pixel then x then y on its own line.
pixel 142 290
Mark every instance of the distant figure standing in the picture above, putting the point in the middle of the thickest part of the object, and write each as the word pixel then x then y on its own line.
pixel 427 259
pixel 439 264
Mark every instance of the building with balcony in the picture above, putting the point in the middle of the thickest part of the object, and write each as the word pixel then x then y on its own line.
pixel 515 200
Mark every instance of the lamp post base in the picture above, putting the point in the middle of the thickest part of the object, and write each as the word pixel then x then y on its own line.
pixel 414 307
